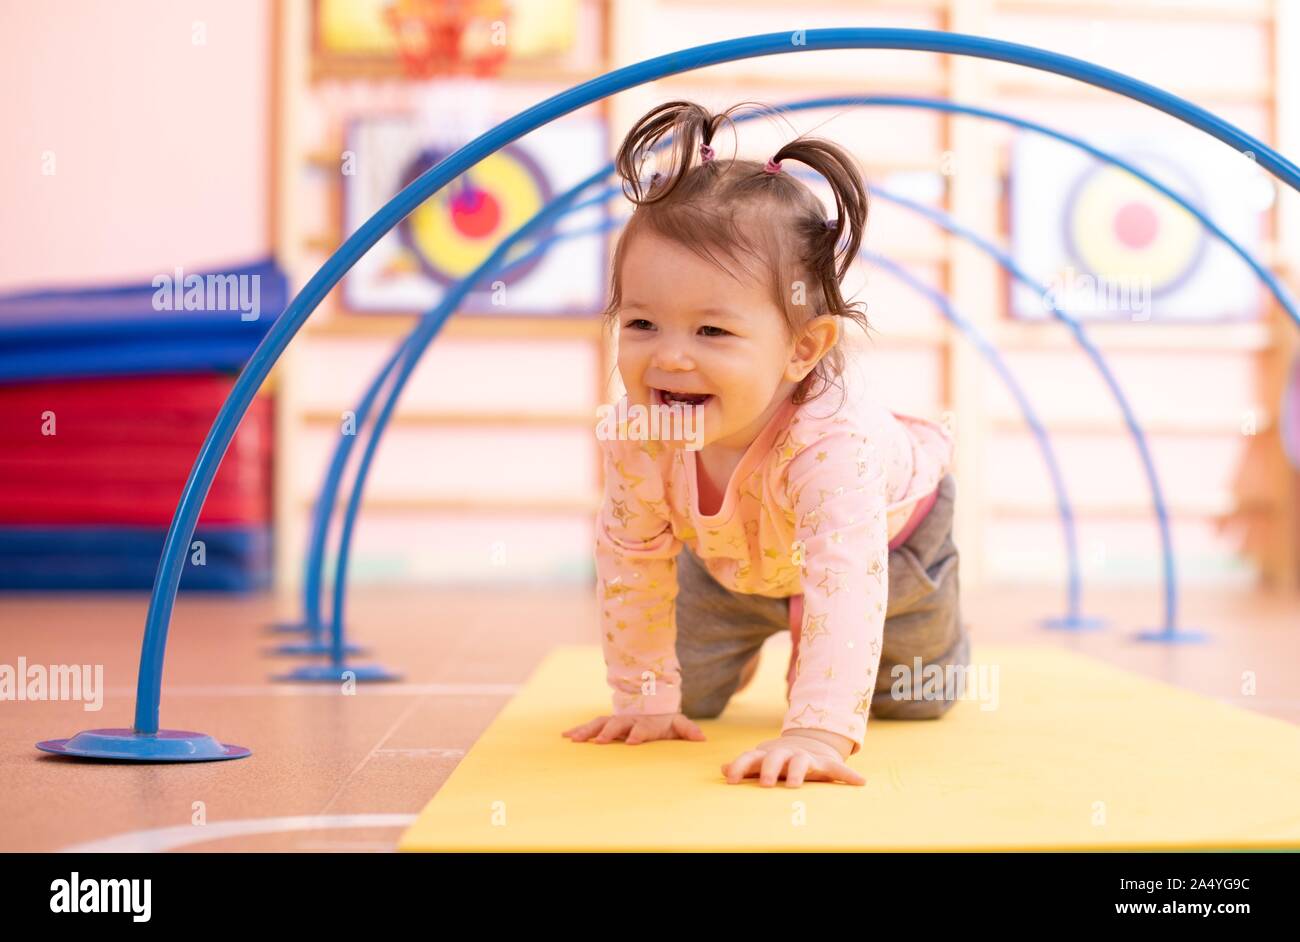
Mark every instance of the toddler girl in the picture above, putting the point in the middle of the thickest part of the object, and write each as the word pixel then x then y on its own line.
pixel 834 520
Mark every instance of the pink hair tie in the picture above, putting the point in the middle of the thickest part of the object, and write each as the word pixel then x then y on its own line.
pixel 773 166
pixel 706 153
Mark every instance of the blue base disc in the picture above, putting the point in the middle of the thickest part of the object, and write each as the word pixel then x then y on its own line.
pixel 313 647
pixel 126 745
pixel 295 628
pixel 1178 636
pixel 328 673
pixel 1073 622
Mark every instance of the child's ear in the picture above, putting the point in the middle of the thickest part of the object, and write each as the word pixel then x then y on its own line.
pixel 818 338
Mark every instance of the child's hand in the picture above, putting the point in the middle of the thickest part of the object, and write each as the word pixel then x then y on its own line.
pixel 794 758
pixel 636 729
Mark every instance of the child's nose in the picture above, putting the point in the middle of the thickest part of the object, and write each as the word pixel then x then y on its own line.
pixel 673 357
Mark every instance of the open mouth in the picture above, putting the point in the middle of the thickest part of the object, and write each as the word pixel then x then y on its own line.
pixel 666 397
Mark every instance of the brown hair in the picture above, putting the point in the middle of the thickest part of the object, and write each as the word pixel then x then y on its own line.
pixel 697 204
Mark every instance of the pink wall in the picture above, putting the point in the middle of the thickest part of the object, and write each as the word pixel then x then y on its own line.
pixel 160 143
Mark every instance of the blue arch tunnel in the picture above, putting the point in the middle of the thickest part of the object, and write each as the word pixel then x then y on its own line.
pixel 145 741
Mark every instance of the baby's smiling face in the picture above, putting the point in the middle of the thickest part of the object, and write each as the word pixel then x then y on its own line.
pixel 685 326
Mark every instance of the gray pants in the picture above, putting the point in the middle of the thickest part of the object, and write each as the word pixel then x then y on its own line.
pixel 718 630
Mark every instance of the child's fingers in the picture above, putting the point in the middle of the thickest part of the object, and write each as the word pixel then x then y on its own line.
pixel 798 768
pixel 838 771
pixel 615 728
pixel 684 728
pixel 773 764
pixel 741 766
pixel 584 730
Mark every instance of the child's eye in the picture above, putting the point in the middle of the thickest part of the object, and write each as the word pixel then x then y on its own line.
pixel 640 323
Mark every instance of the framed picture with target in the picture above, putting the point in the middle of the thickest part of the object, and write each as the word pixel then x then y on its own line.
pixel 1108 247
pixel 449 235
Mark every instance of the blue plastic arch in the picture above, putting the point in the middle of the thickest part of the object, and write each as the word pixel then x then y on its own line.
pixel 314 561
pixel 1169 632
pixel 143 741
pixel 408 349
pixel 942 302
pixel 405 360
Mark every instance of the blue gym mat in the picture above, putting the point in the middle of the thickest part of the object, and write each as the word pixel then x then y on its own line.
pixel 115 330
pixel 237 558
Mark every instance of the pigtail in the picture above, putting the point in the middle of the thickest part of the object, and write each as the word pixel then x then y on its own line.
pixel 688 123
pixel 692 129
pixel 830 245
pixel 837 244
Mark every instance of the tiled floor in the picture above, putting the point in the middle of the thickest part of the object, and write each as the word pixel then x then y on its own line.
pixel 320 756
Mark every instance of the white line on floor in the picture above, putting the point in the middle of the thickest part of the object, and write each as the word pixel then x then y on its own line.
pixel 169 838
pixel 437 753
pixel 410 708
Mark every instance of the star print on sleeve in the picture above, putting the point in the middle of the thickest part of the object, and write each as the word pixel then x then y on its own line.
pixel 636 582
pixel 839 492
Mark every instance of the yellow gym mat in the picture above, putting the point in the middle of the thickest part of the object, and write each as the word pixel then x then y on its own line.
pixel 1074 755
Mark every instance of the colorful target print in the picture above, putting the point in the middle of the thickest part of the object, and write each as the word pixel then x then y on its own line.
pixel 451 233
pixel 1101 244
pixel 1119 230
pixel 441 241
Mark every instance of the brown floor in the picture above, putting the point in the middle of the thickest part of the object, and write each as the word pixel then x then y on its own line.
pixel 387 750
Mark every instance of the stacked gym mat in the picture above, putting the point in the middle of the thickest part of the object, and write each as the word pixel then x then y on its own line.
pixel 105 400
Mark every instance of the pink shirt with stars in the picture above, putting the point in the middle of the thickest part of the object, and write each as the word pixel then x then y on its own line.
pixel 811 509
